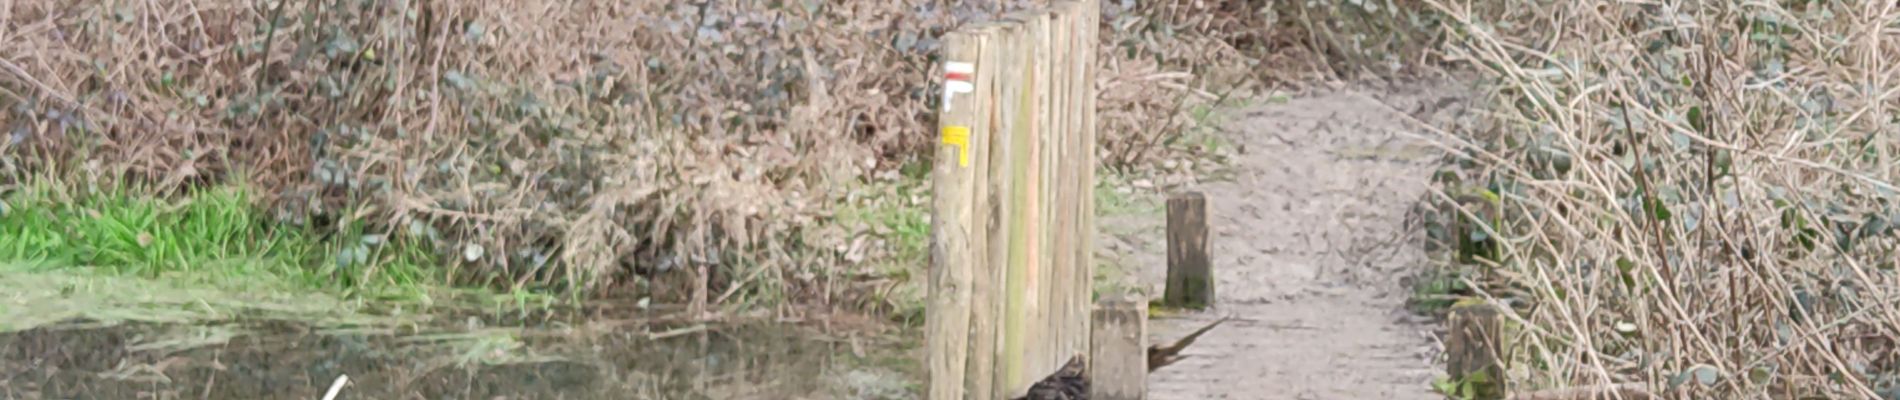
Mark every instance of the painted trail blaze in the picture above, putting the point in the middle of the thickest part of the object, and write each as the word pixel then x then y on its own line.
pixel 956 80
pixel 959 136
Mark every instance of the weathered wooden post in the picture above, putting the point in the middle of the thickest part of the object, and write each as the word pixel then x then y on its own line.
pixel 989 297
pixel 1018 108
pixel 955 249
pixel 1190 273
pixel 1118 350
pixel 1087 26
pixel 1472 350
pixel 1012 245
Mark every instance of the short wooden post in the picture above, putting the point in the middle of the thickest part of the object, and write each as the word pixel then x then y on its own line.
pixel 1190 273
pixel 1118 350
pixel 1472 349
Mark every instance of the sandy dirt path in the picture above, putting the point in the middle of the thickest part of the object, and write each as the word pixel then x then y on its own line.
pixel 1311 244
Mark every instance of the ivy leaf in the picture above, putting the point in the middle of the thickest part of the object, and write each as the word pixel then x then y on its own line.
pixel 1760 375
pixel 1677 381
pixel 1446 386
pixel 1658 210
pixel 1723 161
pixel 1695 120
pixel 1624 265
pixel 1702 373
pixel 1706 375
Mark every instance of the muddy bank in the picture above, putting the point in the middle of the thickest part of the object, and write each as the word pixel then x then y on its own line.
pixel 281 360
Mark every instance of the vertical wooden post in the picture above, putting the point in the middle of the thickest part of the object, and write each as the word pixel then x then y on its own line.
pixel 954 221
pixel 994 75
pixel 1040 259
pixel 1077 298
pixel 1061 217
pixel 1088 27
pixel 1472 349
pixel 1017 116
pixel 1118 350
pixel 1018 108
pixel 1056 176
pixel 1190 272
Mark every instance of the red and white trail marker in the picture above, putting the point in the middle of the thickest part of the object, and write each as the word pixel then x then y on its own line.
pixel 956 80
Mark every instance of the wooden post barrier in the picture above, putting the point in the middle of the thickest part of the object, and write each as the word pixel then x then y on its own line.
pixel 1012 245
pixel 1190 271
pixel 1118 350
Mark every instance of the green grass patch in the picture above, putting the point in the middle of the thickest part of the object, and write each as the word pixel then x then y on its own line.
pixel 905 228
pixel 212 230
pixel 215 232
pixel 1111 200
pixel 898 214
pixel 1118 210
pixel 210 255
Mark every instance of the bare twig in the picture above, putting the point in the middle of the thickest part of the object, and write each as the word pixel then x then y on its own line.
pixel 336 387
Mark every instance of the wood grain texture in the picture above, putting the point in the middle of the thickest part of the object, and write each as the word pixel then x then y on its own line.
pixel 1190 271
pixel 1118 361
pixel 1025 241
pixel 953 237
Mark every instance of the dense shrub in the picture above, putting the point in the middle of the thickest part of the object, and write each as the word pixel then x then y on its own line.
pixel 1696 198
pixel 542 143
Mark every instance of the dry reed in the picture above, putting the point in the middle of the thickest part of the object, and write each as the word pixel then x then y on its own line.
pixel 696 150
pixel 1697 197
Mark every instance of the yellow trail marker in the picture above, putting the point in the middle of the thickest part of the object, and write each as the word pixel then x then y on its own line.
pixel 959 136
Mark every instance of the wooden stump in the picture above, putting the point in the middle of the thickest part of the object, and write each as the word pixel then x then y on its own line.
pixel 1190 273
pixel 1472 350
pixel 1118 350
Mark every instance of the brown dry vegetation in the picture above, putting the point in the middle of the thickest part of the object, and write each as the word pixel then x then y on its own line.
pixel 695 151
pixel 1696 197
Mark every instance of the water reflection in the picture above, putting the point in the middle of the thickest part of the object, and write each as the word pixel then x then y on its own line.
pixel 281 360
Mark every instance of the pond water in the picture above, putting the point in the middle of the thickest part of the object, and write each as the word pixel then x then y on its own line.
pixel 285 360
